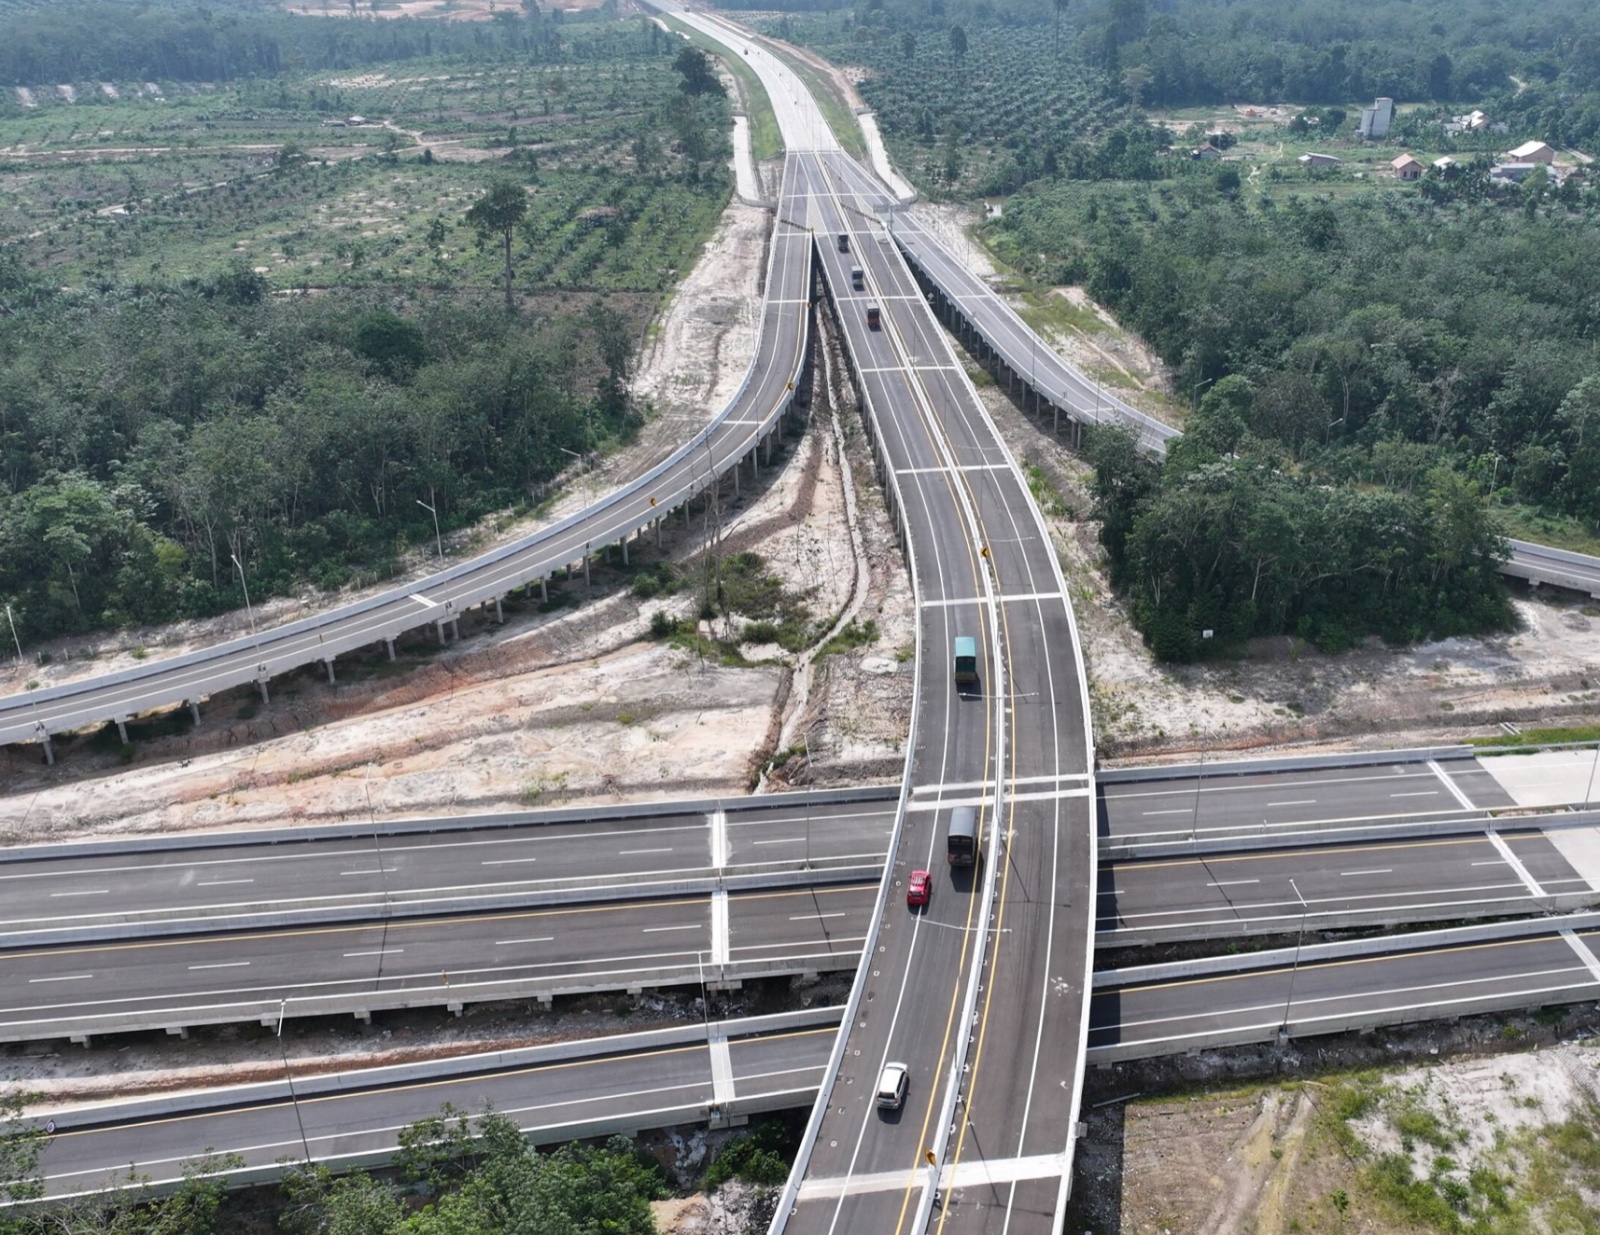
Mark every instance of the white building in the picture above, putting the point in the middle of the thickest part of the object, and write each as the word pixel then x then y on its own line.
pixel 1375 119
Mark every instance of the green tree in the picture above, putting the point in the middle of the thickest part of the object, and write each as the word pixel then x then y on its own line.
pixel 497 214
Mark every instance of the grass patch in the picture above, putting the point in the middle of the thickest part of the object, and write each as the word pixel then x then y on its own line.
pixel 1540 737
pixel 854 635
pixel 1558 531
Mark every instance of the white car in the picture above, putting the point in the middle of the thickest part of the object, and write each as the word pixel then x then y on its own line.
pixel 892 1086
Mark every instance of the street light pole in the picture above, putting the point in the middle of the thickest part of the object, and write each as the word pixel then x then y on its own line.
pixel 15 637
pixel 283 1008
pixel 438 541
pixel 1194 396
pixel 244 583
pixel 1283 1029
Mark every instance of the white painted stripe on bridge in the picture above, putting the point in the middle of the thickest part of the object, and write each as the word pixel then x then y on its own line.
pixel 423 600
pixel 718 821
pixel 984 784
pixel 1581 947
pixel 973 1174
pixel 722 1087
pixel 719 927
pixel 1450 784
pixel 982 600
pixel 1511 860
pixel 945 471
pixel 988 799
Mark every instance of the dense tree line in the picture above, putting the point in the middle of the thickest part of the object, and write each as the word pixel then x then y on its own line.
pixel 1227 540
pixel 149 437
pixel 1370 372
pixel 100 41
pixel 453 1175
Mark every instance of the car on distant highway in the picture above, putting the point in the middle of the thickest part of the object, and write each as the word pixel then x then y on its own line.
pixel 918 888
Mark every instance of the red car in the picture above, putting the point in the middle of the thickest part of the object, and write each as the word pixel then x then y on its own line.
pixel 918 888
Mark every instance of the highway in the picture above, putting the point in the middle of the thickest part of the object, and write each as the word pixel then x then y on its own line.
pixel 1381 883
pixel 1229 801
pixel 1016 748
pixel 353 873
pixel 1541 564
pixel 602 1086
pixel 718 940
pixel 770 391
pixel 1133 1018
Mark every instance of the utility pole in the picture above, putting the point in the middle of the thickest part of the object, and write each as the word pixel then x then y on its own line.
pixel 283 1008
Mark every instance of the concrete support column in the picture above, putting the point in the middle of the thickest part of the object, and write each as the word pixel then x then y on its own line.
pixel 624 543
pixel 389 643
pixel 586 566
pixel 261 685
pixel 544 589
pixel 657 522
pixel 194 711
pixel 50 755
pixel 1055 426
pixel 178 1031
pixel 736 479
pixel 455 625
pixel 329 664
pixel 499 612
pixel 770 436
pixel 439 626
pixel 122 729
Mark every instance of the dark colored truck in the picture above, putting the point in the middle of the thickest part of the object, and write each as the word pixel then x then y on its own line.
pixel 874 318
pixel 963 844
pixel 966 656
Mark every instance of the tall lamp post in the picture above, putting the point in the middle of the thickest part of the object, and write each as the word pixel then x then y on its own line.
pixel 17 639
pixel 432 509
pixel 1283 1029
pixel 243 583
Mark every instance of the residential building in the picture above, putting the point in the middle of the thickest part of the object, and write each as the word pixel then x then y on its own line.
pixel 1514 173
pixel 1205 152
pixel 1312 159
pixel 1407 167
pixel 1532 152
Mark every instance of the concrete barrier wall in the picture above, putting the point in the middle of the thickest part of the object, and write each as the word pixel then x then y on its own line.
pixel 1104 1056
pixel 97 1115
pixel 1384 945
pixel 532 895
pixel 1344 833
pixel 1287 763
pixel 1289 923
pixel 427 826
pixel 446 994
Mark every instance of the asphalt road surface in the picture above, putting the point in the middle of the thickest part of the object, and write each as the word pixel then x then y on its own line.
pixel 551 1102
pixel 439 599
pixel 982 994
pixel 262 975
pixel 1381 883
pixel 1161 1018
pixel 364 876
pixel 1227 802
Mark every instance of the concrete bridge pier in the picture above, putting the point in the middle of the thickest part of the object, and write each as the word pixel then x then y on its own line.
pixel 389 643
pixel 49 751
pixel 499 612
pixel 194 711
pixel 122 729
pixel 261 685
pixel 586 582
pixel 623 541
pixel 544 589
pixel 327 663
